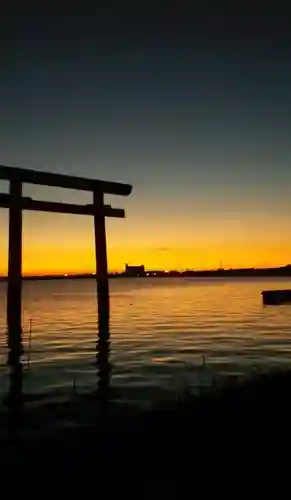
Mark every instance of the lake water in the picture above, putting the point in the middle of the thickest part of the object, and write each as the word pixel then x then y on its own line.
pixel 161 329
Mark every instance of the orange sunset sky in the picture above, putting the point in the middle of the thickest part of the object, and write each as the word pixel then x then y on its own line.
pixel 197 121
pixel 192 235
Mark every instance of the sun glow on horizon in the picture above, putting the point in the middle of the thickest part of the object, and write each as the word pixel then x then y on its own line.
pixel 64 261
pixel 65 244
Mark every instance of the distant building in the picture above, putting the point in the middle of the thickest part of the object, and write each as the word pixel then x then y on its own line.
pixel 134 270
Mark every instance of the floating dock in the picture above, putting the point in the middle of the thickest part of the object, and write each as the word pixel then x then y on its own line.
pixel 276 297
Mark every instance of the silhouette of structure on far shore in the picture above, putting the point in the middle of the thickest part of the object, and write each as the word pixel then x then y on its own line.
pixel 134 271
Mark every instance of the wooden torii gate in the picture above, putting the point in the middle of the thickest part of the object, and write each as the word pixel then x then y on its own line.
pixel 15 202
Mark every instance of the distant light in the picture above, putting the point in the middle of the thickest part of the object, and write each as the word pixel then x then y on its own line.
pixel 148 274
pixel 65 275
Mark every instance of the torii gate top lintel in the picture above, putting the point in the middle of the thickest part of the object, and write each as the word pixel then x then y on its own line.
pixel 19 176
pixel 62 180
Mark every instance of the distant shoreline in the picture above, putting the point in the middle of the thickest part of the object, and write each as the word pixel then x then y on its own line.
pixel 219 273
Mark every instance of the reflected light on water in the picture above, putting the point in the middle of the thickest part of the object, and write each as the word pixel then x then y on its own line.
pixel 160 329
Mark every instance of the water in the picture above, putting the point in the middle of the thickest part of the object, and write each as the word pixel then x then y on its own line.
pixel 160 331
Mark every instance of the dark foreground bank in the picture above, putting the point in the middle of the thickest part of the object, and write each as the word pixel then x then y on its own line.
pixel 232 443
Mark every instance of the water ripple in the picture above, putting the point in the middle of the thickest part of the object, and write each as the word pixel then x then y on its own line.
pixel 162 332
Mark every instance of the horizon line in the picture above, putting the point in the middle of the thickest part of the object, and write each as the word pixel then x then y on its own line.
pixel 88 273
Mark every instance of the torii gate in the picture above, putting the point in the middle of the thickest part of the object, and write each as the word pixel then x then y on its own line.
pixel 15 202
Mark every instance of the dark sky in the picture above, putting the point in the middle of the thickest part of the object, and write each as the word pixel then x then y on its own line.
pixel 191 107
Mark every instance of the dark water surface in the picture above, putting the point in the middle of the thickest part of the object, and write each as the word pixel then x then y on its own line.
pixel 161 331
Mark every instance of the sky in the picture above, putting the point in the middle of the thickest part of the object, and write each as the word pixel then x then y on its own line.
pixel 192 109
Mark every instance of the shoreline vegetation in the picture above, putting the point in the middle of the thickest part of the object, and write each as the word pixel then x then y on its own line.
pixel 284 271
pixel 225 439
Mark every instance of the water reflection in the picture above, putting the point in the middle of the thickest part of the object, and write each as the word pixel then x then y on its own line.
pixel 159 330
pixel 103 346
pixel 15 397
pixel 15 389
